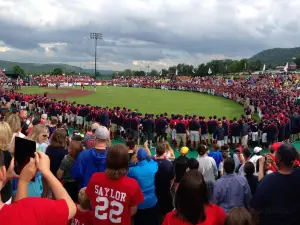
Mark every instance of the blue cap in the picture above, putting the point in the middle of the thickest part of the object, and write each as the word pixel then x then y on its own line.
pixel 142 154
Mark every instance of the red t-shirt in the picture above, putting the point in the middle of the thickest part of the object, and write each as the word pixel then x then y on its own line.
pixel 35 211
pixel 214 216
pixel 82 218
pixel 111 200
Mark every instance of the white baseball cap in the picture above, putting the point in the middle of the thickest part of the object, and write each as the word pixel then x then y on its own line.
pixel 257 149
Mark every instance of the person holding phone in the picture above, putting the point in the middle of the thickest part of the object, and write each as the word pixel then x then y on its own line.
pixel 34 210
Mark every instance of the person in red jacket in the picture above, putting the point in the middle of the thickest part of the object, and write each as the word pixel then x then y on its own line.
pixel 36 211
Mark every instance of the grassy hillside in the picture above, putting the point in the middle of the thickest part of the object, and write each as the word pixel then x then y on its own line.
pixel 37 68
pixel 277 56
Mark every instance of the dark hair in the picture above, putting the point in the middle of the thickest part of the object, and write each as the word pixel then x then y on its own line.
pixel 193 164
pixel 1 158
pixel 287 154
pixel 58 138
pixel 225 155
pixel 229 165
pixel 117 162
pixel 202 149
pixel 160 149
pixel 36 121
pixel 249 168
pixel 246 152
pixel 54 121
pixel 130 144
pixel 225 147
pixel 191 198
pixel 239 216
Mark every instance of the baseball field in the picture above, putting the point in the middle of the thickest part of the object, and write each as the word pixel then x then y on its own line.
pixel 147 100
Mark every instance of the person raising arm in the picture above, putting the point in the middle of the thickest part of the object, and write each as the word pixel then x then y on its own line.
pixel 36 210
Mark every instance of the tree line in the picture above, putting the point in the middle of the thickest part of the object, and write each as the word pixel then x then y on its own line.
pixel 216 67
pixel 226 66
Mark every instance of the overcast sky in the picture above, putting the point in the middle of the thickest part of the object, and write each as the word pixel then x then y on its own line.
pixel 137 33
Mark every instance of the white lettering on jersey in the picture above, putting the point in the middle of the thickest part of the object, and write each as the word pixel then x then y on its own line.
pixel 109 198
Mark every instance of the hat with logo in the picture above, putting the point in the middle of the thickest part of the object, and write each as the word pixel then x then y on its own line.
pixel 102 133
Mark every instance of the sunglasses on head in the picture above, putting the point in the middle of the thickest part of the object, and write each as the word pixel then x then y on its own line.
pixel 45 135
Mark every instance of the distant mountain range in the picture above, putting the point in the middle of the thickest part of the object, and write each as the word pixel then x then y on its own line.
pixel 35 68
pixel 277 56
pixel 271 57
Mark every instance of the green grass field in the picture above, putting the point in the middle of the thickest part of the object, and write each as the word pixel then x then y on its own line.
pixel 155 101
pixel 37 90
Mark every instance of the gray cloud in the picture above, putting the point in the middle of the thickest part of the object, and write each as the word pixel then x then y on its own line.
pixel 189 31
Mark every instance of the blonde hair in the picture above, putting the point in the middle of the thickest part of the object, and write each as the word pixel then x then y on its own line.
pixel 14 122
pixel 36 131
pixel 167 146
pixel 5 136
pixel 83 199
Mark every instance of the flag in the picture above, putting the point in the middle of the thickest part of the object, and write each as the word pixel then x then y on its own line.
pixel 3 70
pixel 264 68
pixel 176 73
pixel 209 71
pixel 160 73
pixel 286 67
pixel 193 71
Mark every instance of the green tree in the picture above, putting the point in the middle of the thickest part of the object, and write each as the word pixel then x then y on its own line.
pixel 57 71
pixel 202 70
pixel 255 65
pixel 234 67
pixel 244 65
pixel 297 62
pixel 153 73
pixel 164 72
pixel 17 69
pixel 139 73
pixel 172 69
pixel 127 73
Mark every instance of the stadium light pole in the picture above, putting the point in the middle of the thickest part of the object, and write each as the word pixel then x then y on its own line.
pixel 96 36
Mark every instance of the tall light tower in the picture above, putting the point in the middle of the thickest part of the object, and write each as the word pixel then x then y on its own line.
pixel 96 36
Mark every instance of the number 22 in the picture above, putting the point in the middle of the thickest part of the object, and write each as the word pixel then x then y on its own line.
pixel 102 215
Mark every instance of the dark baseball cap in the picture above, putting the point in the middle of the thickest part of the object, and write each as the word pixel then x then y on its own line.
pixel 287 154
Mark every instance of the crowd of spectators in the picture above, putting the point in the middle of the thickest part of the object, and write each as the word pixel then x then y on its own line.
pixel 71 80
pixel 80 177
